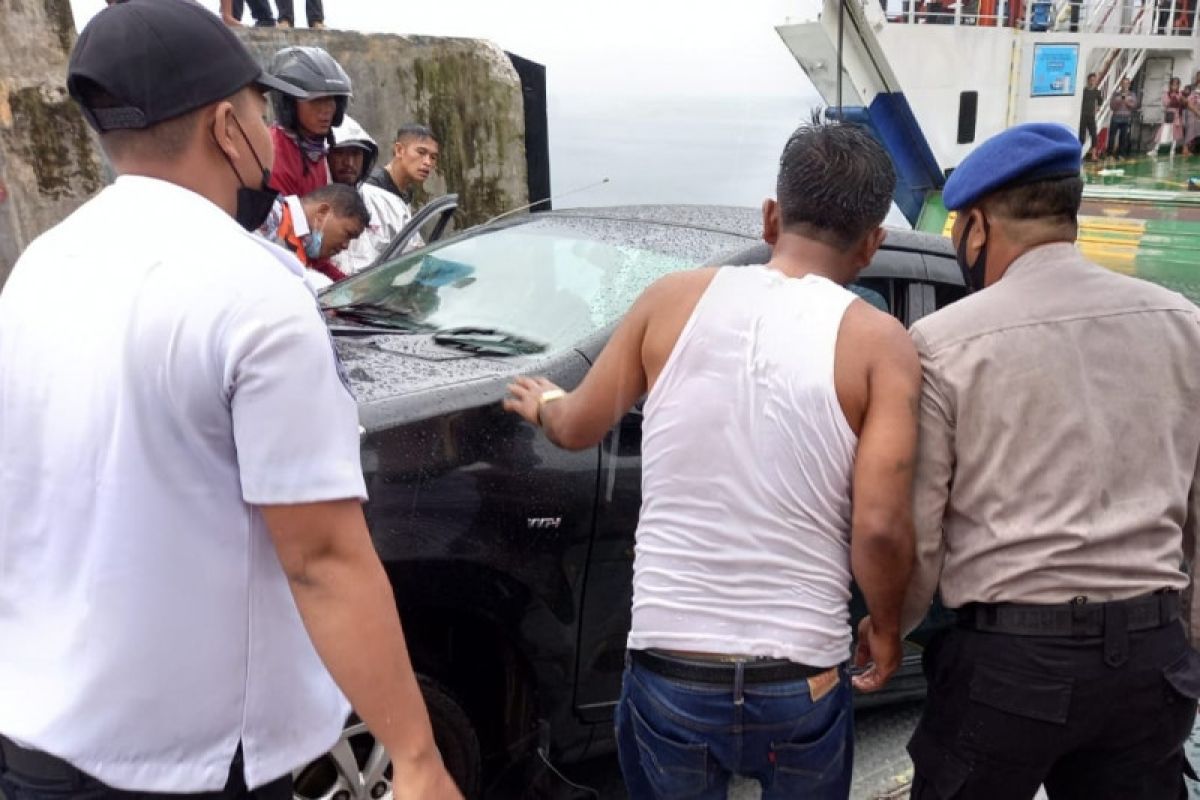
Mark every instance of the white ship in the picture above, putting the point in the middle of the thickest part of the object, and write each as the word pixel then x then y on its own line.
pixel 933 80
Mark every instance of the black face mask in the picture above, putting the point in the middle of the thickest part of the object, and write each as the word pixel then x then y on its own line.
pixel 975 274
pixel 253 205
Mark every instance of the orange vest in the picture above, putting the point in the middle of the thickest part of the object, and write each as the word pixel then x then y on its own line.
pixel 287 238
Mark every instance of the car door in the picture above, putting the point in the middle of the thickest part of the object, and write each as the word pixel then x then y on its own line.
pixel 942 286
pixel 435 217
pixel 608 591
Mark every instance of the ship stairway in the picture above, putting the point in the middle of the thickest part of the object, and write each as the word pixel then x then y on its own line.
pixel 1117 63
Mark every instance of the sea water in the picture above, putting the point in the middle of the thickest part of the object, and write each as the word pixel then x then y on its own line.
pixel 685 148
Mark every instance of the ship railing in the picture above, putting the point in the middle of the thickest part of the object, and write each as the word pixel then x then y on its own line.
pixel 968 13
pixel 1129 17
pixel 1148 18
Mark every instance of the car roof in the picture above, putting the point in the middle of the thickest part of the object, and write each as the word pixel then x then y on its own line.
pixel 906 254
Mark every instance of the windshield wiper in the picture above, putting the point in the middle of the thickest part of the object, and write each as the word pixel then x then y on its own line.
pixel 487 340
pixel 378 315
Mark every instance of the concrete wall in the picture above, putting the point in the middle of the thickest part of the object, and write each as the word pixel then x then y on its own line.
pixel 465 89
pixel 49 163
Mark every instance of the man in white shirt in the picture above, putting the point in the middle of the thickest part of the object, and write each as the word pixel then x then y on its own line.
pixel 350 161
pixel 187 587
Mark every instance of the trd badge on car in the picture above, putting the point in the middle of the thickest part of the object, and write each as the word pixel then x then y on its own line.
pixel 545 523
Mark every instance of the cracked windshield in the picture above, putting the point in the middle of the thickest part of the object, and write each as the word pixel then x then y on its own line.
pixel 599 400
pixel 549 282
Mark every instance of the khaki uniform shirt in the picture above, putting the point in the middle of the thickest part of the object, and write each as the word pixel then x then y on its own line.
pixel 1059 435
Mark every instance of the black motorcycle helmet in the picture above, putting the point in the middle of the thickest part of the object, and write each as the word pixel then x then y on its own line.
pixel 314 71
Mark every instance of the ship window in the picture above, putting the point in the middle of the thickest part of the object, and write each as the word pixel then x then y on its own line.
pixel 968 105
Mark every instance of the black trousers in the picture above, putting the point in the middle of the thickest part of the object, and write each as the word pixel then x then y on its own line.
pixel 259 9
pixel 314 11
pixel 1005 714
pixel 33 775
pixel 1087 126
pixel 1119 141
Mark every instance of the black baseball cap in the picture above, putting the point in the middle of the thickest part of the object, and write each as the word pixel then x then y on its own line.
pixel 160 59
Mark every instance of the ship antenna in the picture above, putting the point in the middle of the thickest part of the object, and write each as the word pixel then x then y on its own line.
pixel 545 200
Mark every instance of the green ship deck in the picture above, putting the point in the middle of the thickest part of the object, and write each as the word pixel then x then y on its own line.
pixel 1138 217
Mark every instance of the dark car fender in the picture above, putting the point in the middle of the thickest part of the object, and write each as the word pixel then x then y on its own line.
pixel 485 529
pixel 479 630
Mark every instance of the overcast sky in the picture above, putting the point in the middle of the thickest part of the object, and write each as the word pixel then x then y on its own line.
pixel 705 87
pixel 608 46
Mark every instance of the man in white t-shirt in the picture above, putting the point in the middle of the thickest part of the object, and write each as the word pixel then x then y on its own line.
pixel 187 586
pixel 350 161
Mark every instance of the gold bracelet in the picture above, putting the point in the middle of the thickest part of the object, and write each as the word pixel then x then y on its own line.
pixel 548 396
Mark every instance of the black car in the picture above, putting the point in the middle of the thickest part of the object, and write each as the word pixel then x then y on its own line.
pixel 511 559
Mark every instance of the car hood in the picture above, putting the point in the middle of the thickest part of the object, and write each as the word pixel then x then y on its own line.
pixel 386 366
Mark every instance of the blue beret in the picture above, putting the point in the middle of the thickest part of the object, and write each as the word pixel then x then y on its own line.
pixel 1023 154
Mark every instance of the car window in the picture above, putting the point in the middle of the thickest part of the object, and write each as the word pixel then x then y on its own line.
pixel 946 278
pixel 872 291
pixel 551 281
pixel 948 293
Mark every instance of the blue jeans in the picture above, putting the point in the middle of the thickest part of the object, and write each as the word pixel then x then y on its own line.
pixel 677 739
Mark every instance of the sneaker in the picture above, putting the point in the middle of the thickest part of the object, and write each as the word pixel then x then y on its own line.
pixel 318 26
pixel 283 23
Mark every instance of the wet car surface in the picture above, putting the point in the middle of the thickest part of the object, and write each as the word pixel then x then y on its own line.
pixel 511 559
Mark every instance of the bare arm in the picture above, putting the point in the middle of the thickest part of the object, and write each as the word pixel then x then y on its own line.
pixel 881 538
pixel 350 612
pixel 611 387
pixel 931 493
pixel 617 379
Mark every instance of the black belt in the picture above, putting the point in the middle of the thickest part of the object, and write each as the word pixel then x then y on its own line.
pixel 1076 618
pixel 754 670
pixel 34 763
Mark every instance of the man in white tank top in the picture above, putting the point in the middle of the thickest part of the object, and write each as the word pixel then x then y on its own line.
pixel 770 391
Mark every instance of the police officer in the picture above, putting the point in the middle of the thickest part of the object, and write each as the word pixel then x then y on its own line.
pixel 185 583
pixel 1056 498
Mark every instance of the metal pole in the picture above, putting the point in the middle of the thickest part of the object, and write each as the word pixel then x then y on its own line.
pixel 841 35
